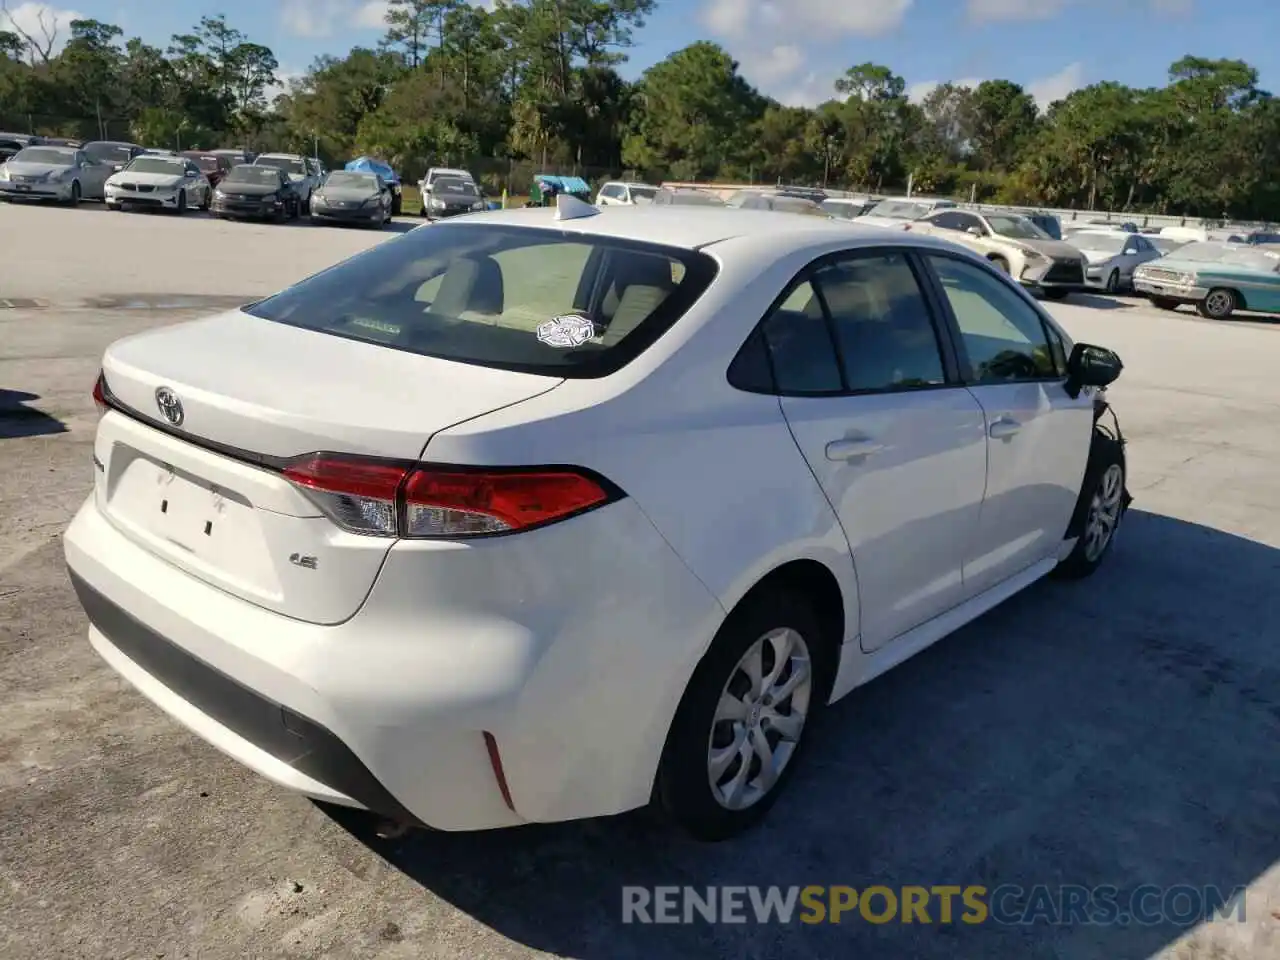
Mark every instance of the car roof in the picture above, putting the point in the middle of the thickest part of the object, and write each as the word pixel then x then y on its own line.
pixel 695 227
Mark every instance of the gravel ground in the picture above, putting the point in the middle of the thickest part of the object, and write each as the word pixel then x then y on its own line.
pixel 1118 731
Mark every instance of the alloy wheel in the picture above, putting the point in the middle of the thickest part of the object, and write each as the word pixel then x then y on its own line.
pixel 1218 303
pixel 1104 512
pixel 759 719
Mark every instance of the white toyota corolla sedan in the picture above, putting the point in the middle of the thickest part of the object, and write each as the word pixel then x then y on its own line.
pixel 538 515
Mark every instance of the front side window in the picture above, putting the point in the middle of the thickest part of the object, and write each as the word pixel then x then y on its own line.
pixel 1003 335
pixel 532 300
pixel 884 333
pixel 856 325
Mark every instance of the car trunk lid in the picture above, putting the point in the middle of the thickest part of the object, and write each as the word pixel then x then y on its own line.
pixel 208 413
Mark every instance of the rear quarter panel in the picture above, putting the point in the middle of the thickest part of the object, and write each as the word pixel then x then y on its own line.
pixel 715 469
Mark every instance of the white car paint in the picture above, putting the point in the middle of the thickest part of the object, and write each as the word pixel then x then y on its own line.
pixel 155 180
pixel 533 676
pixel 897 213
pixel 1113 257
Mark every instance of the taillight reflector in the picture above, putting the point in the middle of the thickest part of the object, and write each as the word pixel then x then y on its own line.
pixel 100 394
pixel 390 499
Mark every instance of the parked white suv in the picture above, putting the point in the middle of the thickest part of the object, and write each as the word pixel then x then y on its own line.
pixel 305 173
pixel 523 518
pixel 621 193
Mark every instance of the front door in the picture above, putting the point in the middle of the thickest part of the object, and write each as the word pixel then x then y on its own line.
pixel 1036 434
pixel 897 444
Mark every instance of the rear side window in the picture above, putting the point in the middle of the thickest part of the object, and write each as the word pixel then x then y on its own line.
pixel 540 301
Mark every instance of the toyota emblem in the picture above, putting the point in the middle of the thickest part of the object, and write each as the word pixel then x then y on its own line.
pixel 170 406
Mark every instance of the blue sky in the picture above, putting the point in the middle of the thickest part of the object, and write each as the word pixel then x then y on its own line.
pixel 793 49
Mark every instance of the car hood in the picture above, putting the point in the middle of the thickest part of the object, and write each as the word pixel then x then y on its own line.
pixel 1097 256
pixel 348 194
pixel 248 189
pixel 883 222
pixel 150 179
pixel 35 169
pixel 1057 249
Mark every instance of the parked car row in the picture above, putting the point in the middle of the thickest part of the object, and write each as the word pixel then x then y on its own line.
pixel 228 183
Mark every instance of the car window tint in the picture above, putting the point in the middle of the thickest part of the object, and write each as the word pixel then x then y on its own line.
pixel 881 323
pixel 804 360
pixel 1003 335
pixel 519 298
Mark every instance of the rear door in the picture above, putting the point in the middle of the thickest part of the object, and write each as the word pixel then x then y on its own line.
pixel 1037 436
pixel 871 393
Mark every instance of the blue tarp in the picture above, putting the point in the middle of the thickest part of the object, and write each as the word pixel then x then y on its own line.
pixel 370 165
pixel 564 184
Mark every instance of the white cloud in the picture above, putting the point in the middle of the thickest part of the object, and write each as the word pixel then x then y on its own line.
pixel 779 63
pixel 916 92
pixel 312 18
pixel 737 19
pixel 43 23
pixel 285 76
pixel 987 10
pixel 1048 89
pixel 372 14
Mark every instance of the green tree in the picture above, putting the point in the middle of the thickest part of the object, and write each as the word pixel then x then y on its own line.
pixel 696 115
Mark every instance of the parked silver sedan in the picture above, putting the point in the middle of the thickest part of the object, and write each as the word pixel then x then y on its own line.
pixel 64 174
pixel 1113 256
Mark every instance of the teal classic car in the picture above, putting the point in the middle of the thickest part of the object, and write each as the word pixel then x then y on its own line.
pixel 1219 278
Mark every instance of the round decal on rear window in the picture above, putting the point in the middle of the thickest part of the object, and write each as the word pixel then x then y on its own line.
pixel 570 330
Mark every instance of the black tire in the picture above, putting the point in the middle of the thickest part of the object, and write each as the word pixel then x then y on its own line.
pixel 1113 282
pixel 182 203
pixel 1105 456
pixel 1164 303
pixel 207 201
pixel 306 205
pixel 682 790
pixel 75 194
pixel 397 205
pixel 1001 264
pixel 1218 304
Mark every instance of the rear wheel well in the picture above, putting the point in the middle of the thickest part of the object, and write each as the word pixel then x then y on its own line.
pixel 816 583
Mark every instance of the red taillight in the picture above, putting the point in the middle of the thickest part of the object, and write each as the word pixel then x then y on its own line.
pixel 391 499
pixel 100 394
pixel 357 494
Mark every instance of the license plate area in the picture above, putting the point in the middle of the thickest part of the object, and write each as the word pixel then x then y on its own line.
pixel 213 532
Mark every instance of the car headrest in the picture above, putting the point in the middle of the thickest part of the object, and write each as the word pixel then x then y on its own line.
pixel 471 284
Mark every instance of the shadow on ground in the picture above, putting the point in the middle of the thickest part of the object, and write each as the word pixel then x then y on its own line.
pixel 1098 303
pixel 1117 731
pixel 19 420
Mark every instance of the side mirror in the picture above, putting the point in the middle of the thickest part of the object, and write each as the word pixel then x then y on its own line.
pixel 975 232
pixel 1091 366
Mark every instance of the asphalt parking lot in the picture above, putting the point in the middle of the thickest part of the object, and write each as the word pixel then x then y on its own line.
pixel 1118 731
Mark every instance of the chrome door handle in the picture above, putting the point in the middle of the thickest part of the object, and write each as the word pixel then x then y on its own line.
pixel 852 449
pixel 1003 428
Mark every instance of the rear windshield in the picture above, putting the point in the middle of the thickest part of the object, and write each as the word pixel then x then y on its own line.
pixel 341 178
pixel 46 155
pixel 291 166
pixel 110 152
pixel 207 164
pixel 454 185
pixel 174 168
pixel 264 175
pixel 531 300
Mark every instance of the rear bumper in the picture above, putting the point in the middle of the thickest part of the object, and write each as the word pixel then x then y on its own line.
pixel 571 653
